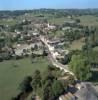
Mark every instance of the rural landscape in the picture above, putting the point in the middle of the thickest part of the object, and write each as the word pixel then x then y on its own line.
pixel 49 54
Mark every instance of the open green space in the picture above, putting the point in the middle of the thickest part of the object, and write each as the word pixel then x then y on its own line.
pixel 58 20
pixel 88 20
pixel 95 48
pixel 13 72
pixel 76 45
pixel 8 22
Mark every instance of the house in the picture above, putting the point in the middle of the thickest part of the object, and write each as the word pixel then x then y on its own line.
pixel 66 28
pixel 68 96
pixel 19 48
pixel 54 42
pixel 70 23
pixel 85 91
pixel 35 34
pixel 50 27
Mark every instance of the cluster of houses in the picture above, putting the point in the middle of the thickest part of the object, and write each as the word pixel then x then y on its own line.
pixel 81 91
pixel 22 49
pixel 31 39
pixel 56 46
pixel 27 39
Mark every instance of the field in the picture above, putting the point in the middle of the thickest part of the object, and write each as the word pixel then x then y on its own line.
pixel 52 19
pixel 58 20
pixel 96 48
pixel 77 44
pixel 89 20
pixel 8 22
pixel 13 72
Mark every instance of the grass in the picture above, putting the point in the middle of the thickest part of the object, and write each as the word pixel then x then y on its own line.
pixel 12 75
pixel 76 45
pixel 94 78
pixel 89 20
pixel 95 48
pixel 58 33
pixel 58 20
pixel 8 22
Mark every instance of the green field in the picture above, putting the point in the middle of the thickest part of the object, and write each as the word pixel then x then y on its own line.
pixel 58 20
pixel 77 44
pixel 95 48
pixel 88 20
pixel 11 76
pixel 8 22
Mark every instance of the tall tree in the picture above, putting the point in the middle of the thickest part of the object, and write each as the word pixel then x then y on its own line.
pixel 57 88
pixel 80 66
pixel 25 86
pixel 36 82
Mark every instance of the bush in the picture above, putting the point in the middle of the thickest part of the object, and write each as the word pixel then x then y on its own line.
pixel 25 86
pixel 1 59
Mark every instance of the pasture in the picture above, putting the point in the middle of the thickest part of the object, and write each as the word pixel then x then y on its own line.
pixel 13 72
pixel 88 20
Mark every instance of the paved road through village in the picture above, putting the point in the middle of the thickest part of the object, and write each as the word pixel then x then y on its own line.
pixel 52 58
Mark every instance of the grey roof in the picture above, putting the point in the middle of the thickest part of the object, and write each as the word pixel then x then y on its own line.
pixel 87 92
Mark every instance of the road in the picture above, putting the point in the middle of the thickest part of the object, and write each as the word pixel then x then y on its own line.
pixel 53 58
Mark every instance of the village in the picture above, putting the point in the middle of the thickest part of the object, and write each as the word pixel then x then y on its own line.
pixel 36 38
pixel 25 41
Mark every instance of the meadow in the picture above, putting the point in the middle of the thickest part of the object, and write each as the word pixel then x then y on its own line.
pixel 88 20
pixel 14 71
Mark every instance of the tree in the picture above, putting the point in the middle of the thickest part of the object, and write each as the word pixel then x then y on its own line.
pixel 51 67
pixel 86 31
pixel 36 79
pixel 57 88
pixel 25 86
pixel 93 36
pixel 36 47
pixel 32 49
pixel 47 91
pixel 78 20
pixel 52 90
pixel 24 51
pixel 66 59
pixel 44 53
pixel 48 77
pixel 80 66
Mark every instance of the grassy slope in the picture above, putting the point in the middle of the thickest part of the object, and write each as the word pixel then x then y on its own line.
pixel 11 77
